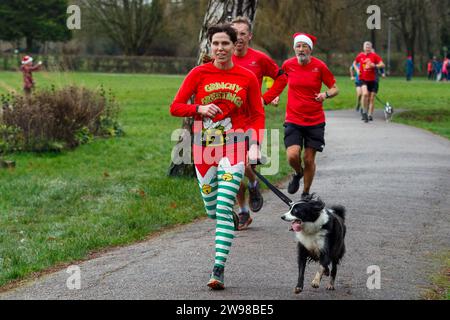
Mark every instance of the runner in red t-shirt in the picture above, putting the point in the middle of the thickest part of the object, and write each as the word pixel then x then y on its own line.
pixel 305 118
pixel 369 63
pixel 227 110
pixel 262 66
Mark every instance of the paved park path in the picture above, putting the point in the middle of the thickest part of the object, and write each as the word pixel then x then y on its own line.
pixel 394 181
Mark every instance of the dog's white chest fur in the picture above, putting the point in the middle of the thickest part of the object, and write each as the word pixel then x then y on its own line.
pixel 312 237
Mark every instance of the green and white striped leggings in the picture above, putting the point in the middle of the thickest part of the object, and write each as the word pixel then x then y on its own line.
pixel 219 188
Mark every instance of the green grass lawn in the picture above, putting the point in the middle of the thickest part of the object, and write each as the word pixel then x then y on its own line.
pixel 56 208
pixel 440 290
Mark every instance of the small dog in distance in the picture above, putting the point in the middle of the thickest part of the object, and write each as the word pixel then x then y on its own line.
pixel 388 112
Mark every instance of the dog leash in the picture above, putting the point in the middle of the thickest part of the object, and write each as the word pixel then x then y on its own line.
pixel 380 101
pixel 274 189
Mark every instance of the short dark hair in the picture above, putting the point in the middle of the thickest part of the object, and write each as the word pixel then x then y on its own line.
pixel 223 27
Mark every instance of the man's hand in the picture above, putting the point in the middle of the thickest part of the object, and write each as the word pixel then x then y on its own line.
pixel 321 97
pixel 254 154
pixel 275 102
pixel 209 111
pixel 352 78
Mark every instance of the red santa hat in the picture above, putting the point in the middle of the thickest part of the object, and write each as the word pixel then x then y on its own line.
pixel 306 38
pixel 27 60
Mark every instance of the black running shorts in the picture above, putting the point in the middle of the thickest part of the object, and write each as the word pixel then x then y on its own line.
pixel 372 86
pixel 305 137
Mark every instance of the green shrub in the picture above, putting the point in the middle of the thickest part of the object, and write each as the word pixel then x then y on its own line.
pixel 11 139
pixel 54 120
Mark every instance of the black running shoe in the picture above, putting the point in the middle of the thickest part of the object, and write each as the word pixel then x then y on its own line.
pixel 294 184
pixel 370 118
pixel 255 200
pixel 365 118
pixel 306 196
pixel 235 221
pixel 217 279
pixel 244 221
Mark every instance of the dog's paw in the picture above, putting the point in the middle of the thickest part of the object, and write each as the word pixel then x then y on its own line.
pixel 298 290
pixel 331 287
pixel 315 284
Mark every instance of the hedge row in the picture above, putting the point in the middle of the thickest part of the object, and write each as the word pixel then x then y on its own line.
pixel 108 64
pixel 338 63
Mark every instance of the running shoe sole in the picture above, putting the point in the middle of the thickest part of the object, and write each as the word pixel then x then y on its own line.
pixel 216 284
pixel 246 224
pixel 258 207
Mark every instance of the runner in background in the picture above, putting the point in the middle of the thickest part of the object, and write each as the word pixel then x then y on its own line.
pixel 305 118
pixel 354 77
pixel 262 66
pixel 369 62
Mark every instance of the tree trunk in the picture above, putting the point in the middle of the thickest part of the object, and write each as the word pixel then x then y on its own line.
pixel 221 11
pixel 29 41
pixel 218 11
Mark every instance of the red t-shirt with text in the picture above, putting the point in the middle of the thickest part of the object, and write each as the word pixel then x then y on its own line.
pixel 368 73
pixel 305 82
pixel 236 92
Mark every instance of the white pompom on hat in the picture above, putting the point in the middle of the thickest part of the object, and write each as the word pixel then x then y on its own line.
pixel 27 60
pixel 306 38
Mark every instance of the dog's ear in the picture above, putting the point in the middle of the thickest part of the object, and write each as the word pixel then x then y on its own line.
pixel 317 203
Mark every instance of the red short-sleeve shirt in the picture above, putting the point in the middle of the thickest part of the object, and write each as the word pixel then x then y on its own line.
pixel 305 82
pixel 368 73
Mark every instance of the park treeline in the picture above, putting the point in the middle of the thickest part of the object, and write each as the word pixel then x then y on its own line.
pixel 109 64
pixel 339 63
pixel 170 28
pixel 419 28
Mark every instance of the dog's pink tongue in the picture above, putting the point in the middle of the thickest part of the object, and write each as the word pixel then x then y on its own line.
pixel 296 226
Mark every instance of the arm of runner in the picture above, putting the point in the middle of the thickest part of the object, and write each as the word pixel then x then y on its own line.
pixel 257 118
pixel 381 65
pixel 209 111
pixel 280 80
pixel 36 67
pixel 330 93
pixel 379 62
pixel 355 66
pixel 179 106
pixel 277 88
pixel 352 75
pixel 330 81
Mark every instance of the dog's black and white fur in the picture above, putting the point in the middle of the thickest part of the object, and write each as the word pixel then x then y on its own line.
pixel 320 233
pixel 388 112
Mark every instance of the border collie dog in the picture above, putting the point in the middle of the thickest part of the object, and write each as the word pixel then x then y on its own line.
pixel 320 233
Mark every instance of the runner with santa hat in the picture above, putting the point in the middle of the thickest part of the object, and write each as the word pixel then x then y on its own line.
pixel 305 118
pixel 27 69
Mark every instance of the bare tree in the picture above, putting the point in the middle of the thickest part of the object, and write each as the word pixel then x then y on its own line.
pixel 221 11
pixel 218 11
pixel 131 24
